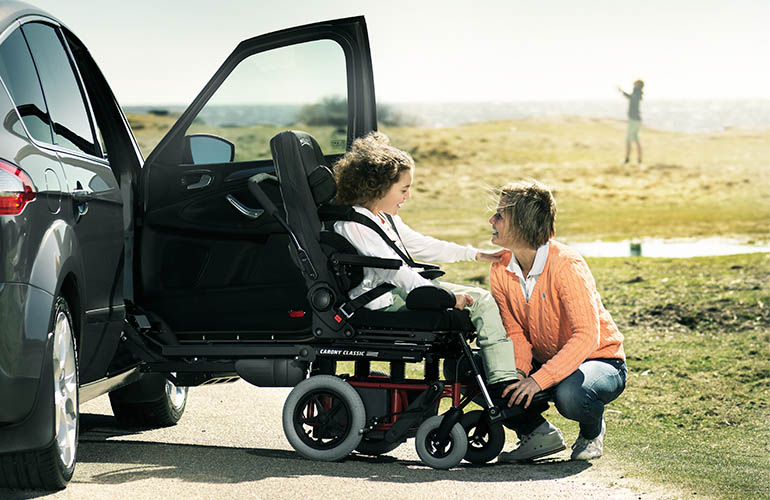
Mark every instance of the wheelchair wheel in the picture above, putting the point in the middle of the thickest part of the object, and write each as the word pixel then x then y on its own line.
pixel 323 417
pixel 438 455
pixel 485 440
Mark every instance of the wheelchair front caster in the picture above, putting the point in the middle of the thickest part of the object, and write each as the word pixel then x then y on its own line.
pixel 434 452
pixel 485 440
pixel 323 417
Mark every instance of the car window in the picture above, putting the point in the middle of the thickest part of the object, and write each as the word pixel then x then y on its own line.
pixel 69 115
pixel 18 73
pixel 302 86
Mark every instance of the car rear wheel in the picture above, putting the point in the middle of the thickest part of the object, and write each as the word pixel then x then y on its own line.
pixel 52 467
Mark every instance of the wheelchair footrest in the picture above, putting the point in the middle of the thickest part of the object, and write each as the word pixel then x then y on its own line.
pixel 416 412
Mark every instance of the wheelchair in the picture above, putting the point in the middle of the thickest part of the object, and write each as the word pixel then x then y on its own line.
pixel 327 416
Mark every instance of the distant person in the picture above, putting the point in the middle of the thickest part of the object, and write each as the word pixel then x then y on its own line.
pixel 634 119
pixel 376 179
pixel 563 337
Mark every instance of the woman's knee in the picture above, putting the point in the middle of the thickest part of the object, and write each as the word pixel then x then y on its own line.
pixel 572 399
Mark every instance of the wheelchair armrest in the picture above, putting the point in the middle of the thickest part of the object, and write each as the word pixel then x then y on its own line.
pixel 365 261
pixel 430 298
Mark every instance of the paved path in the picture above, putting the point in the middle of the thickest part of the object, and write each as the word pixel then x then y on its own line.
pixel 230 444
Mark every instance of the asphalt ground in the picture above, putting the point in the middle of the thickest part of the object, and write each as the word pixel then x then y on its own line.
pixel 230 444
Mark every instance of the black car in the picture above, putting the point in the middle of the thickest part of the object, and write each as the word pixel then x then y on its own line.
pixel 93 238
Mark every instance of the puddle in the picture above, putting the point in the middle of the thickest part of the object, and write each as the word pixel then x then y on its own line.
pixel 666 248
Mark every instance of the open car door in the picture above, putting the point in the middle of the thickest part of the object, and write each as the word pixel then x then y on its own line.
pixel 209 264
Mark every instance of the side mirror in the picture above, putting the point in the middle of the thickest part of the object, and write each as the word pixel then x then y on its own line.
pixel 200 149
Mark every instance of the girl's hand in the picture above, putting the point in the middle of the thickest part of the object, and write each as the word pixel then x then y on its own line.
pixel 463 299
pixel 522 391
pixel 490 256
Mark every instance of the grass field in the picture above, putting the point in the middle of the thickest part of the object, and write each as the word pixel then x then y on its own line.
pixel 696 411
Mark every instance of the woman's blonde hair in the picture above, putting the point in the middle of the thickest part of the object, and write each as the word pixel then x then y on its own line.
pixel 369 169
pixel 531 211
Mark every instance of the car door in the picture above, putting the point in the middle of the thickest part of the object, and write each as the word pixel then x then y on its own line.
pixel 209 263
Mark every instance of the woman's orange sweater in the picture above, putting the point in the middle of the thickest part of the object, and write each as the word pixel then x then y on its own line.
pixel 563 324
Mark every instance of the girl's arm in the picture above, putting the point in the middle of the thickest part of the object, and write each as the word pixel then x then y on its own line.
pixel 429 249
pixel 369 243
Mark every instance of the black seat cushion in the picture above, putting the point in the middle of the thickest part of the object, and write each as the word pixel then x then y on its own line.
pixel 430 298
pixel 444 320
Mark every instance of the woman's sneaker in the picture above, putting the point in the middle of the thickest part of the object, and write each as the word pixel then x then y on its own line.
pixel 589 449
pixel 535 445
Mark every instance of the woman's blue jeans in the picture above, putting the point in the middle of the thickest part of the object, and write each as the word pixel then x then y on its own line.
pixel 580 397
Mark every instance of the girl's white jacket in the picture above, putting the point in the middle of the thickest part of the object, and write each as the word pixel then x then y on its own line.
pixel 420 248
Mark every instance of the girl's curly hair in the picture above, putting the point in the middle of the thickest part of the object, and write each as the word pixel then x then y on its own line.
pixel 369 169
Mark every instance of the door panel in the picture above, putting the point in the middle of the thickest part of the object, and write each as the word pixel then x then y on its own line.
pixel 205 265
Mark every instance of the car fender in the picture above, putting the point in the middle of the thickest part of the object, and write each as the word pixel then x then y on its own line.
pixel 57 257
pixel 35 431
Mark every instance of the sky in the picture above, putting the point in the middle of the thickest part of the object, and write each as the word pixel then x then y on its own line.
pixel 164 51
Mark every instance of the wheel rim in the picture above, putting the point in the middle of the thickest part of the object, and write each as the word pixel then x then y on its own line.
pixel 322 419
pixel 476 439
pixel 435 447
pixel 65 380
pixel 176 395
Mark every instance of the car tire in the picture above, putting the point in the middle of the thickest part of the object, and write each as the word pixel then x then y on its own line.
pixel 164 410
pixel 51 468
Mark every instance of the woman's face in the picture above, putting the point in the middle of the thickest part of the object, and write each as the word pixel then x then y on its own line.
pixel 499 222
pixel 396 195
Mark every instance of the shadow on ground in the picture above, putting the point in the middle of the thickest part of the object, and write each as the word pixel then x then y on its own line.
pixel 232 465
pixel 139 460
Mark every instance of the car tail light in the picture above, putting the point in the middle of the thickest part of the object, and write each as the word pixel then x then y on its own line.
pixel 16 189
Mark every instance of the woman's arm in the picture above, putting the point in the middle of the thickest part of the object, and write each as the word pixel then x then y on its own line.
pixel 578 299
pixel 513 328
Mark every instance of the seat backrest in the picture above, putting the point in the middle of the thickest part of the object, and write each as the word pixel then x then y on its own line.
pixel 306 182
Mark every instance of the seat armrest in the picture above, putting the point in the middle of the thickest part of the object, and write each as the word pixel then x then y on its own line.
pixel 365 261
pixel 430 298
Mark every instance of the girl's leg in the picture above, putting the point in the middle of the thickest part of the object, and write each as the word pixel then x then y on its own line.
pixel 496 347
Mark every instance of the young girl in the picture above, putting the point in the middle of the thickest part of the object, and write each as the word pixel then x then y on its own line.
pixel 376 178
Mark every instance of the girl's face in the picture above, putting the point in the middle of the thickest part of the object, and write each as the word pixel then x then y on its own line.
pixel 396 195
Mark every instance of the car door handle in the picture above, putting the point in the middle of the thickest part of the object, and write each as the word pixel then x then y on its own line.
pixel 204 179
pixel 82 196
pixel 251 213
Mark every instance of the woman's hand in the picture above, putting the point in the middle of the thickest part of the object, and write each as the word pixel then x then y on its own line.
pixel 463 299
pixel 490 256
pixel 521 391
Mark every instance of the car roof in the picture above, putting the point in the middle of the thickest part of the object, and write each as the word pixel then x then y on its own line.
pixel 10 11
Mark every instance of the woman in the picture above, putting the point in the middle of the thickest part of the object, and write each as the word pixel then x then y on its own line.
pixel 376 179
pixel 563 337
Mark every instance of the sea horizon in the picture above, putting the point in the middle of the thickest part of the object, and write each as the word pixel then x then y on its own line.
pixel 679 115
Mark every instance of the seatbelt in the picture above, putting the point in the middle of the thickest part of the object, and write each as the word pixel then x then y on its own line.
pixel 395 230
pixel 354 216
pixel 431 272
pixel 350 307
